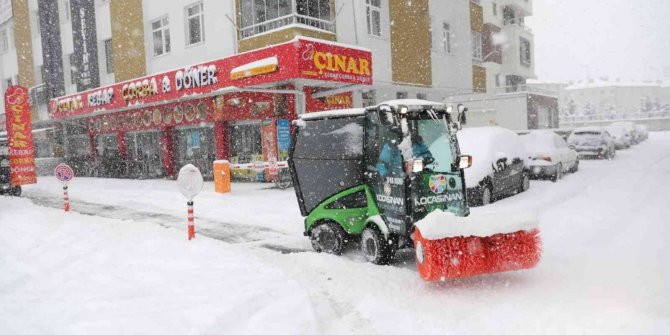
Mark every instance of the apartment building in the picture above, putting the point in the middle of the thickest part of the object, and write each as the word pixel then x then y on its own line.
pixel 503 59
pixel 149 85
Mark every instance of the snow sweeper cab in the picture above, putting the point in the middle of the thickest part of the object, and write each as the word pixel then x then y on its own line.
pixel 392 175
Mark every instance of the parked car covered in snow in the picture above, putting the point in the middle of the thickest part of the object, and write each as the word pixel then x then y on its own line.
pixel 621 137
pixel 498 164
pixel 593 142
pixel 642 131
pixel 549 155
pixel 630 128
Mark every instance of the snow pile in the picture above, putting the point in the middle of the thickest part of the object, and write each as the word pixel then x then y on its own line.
pixel 77 274
pixel 438 224
pixel 487 145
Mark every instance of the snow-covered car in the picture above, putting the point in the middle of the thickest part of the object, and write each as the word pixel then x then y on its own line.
pixel 498 164
pixel 621 137
pixel 630 128
pixel 593 142
pixel 549 155
pixel 642 131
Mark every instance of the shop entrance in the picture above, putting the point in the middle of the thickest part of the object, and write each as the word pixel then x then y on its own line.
pixel 108 161
pixel 196 146
pixel 245 142
pixel 144 154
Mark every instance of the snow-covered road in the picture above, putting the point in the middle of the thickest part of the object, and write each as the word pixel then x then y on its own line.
pixel 126 267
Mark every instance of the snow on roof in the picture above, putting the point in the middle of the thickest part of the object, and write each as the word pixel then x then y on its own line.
pixel 333 113
pixel 440 224
pixel 486 145
pixel 411 102
pixel 256 64
pixel 583 129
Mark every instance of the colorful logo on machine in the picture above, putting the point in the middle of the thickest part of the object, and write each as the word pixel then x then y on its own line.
pixel 437 183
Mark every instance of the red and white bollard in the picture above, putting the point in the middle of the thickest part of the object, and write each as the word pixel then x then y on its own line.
pixel 66 198
pixel 191 225
pixel 190 184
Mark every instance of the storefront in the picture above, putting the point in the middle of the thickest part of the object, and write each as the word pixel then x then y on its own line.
pixel 237 108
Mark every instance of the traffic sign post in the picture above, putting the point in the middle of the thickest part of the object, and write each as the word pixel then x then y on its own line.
pixel 190 183
pixel 65 174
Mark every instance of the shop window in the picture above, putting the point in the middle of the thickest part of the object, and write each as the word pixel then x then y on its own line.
pixel 160 30
pixel 373 12
pixel 195 24
pixel 245 143
pixel 369 98
pixel 421 96
pixel 401 95
pixel 196 146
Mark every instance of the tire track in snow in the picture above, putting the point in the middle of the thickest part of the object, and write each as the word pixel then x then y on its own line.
pixel 222 231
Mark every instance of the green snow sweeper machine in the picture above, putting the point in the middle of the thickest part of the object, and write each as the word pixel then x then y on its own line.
pixel 392 177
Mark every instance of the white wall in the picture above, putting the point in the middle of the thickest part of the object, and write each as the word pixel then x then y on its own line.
pixel 219 33
pixel 505 110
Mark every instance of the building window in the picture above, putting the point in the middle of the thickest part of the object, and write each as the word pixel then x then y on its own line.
pixel 524 51
pixel 109 55
pixel 73 69
pixel 4 36
pixel 319 9
pixel 373 10
pixel 497 80
pixel 259 16
pixel 495 9
pixel 369 98
pixel 401 95
pixel 161 36
pixel 195 24
pixel 477 45
pixel 421 96
pixel 446 37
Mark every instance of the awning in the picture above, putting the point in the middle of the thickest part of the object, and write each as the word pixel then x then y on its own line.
pixel 307 61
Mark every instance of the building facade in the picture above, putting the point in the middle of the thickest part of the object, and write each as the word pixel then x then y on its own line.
pixel 104 73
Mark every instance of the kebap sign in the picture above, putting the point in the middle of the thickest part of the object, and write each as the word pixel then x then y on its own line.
pixel 302 58
pixel 20 136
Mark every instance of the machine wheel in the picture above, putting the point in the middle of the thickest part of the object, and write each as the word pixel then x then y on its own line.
pixel 575 167
pixel 558 175
pixel 486 196
pixel 16 191
pixel 328 237
pixel 525 183
pixel 376 248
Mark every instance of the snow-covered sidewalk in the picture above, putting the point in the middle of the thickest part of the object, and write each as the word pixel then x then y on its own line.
pixel 75 274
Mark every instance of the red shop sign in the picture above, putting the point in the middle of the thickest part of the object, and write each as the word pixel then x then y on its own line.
pixel 302 58
pixel 20 136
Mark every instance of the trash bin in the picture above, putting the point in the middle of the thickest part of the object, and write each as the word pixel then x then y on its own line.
pixel 222 176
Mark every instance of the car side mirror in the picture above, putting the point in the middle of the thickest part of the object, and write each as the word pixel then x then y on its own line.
pixel 572 147
pixel 461 115
pixel 463 162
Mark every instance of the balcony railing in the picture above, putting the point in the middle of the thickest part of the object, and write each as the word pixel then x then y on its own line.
pixel 524 89
pixel 517 22
pixel 284 21
pixel 615 116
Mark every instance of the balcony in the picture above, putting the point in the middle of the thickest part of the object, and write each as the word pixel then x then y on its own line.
pixel 290 20
pixel 522 7
pixel 517 23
